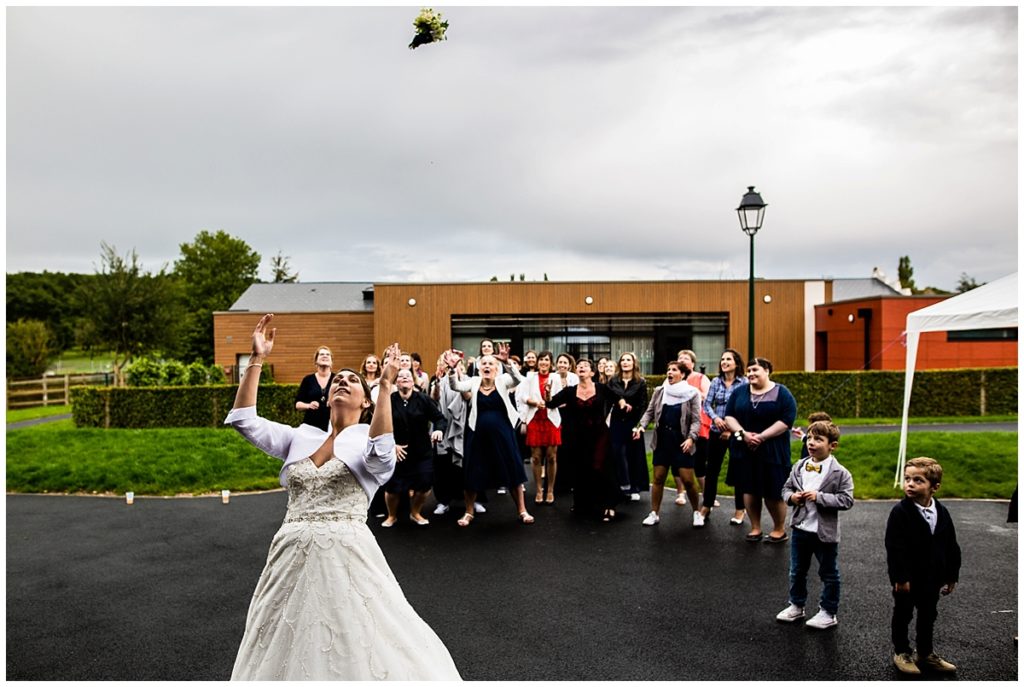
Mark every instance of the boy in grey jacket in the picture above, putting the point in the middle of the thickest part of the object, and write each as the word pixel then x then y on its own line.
pixel 817 488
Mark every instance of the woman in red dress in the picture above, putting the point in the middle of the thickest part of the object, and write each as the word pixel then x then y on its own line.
pixel 543 427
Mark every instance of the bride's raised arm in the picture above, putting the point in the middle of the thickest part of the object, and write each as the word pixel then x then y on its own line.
pixel 262 344
pixel 382 421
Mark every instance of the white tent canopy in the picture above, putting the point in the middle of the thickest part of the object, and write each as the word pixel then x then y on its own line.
pixel 992 306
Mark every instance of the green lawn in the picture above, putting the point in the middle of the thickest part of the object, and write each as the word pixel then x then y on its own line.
pixel 57 457
pixel 77 361
pixel 60 458
pixel 976 465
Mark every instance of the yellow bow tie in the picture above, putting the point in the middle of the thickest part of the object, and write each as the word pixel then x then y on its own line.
pixel 811 466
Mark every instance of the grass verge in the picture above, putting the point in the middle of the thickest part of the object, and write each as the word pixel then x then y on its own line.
pixel 56 457
pixel 976 465
pixel 59 458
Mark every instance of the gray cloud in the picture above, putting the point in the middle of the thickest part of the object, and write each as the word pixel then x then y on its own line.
pixel 589 142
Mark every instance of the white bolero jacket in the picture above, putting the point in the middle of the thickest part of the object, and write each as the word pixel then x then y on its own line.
pixel 532 391
pixel 502 384
pixel 370 459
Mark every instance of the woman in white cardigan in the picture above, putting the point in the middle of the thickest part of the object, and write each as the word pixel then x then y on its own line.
pixel 543 426
pixel 491 457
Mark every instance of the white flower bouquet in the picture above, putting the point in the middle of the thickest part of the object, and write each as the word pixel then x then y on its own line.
pixel 430 28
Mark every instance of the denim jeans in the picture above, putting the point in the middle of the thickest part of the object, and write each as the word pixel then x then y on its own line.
pixel 804 545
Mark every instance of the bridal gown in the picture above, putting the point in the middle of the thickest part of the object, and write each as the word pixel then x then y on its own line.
pixel 327 606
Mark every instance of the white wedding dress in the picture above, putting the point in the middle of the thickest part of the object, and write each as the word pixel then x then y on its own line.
pixel 327 606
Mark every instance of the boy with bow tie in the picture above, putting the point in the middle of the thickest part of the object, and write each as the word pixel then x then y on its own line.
pixel 818 488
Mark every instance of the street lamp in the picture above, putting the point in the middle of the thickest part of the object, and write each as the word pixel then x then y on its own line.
pixel 751 212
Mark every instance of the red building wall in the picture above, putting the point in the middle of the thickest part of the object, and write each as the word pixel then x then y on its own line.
pixel 840 342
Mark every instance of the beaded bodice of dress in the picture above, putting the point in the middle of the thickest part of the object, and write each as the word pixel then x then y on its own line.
pixel 328 493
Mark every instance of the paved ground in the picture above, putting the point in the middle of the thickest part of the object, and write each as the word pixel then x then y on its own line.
pixel 937 427
pixel 99 590
pixel 38 421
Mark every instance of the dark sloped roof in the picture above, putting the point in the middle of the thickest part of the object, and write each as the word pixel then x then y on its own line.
pixel 321 296
pixel 849 289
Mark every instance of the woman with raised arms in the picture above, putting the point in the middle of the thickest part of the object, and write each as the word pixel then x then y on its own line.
pixel 327 606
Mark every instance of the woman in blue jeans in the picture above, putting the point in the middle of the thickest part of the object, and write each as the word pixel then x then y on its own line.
pixel 729 379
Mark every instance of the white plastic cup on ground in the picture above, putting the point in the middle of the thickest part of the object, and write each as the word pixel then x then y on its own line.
pixel 225 495
pixel 129 497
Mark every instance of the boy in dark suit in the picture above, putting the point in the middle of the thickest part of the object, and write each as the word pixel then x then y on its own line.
pixel 924 561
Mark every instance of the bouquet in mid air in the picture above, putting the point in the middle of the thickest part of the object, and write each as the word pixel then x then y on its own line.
pixel 430 28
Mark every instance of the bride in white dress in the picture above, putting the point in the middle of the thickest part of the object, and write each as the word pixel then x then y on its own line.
pixel 327 606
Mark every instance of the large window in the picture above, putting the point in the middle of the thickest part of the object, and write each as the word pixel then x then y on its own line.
pixel 1009 334
pixel 654 338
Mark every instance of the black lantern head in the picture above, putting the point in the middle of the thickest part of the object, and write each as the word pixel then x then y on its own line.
pixel 751 211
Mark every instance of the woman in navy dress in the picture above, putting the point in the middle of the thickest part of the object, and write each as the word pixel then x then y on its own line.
pixel 760 415
pixel 491 457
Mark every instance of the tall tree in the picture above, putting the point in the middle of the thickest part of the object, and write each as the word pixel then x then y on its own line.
pixel 906 274
pixel 44 296
pixel 129 311
pixel 215 269
pixel 281 270
pixel 966 283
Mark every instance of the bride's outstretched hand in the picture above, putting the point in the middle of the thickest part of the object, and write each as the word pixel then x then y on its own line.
pixel 262 341
pixel 389 362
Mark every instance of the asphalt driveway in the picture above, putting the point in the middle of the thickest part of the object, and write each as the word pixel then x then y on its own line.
pixel 97 590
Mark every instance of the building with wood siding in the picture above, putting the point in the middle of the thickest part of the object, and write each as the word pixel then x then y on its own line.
pixel 654 319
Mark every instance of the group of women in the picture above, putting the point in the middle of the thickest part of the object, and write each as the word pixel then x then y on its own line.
pixel 590 421
pixel 328 607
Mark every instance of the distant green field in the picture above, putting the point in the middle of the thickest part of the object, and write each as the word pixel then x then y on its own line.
pixel 77 361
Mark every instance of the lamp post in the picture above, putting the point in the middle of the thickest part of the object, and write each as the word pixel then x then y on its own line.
pixel 751 212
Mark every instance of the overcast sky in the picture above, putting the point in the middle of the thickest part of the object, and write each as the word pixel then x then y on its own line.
pixel 585 143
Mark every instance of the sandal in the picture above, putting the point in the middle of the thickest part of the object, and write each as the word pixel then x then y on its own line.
pixel 465 520
pixel 526 518
pixel 609 515
pixel 539 498
pixel 776 540
pixel 550 499
pixel 755 537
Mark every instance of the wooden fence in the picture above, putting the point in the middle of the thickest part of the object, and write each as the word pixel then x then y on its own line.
pixel 51 390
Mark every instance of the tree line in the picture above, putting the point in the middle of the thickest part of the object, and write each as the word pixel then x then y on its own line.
pixel 128 310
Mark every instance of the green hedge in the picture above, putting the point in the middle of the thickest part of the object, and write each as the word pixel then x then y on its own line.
pixel 182 406
pixel 972 391
pixel 841 394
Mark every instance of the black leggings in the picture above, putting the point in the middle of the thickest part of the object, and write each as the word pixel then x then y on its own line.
pixel 716 456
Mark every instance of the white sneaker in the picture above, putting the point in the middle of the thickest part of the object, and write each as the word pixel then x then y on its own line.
pixel 681 499
pixel 479 508
pixel 441 509
pixel 634 497
pixel 790 613
pixel 698 519
pixel 823 620
pixel 652 519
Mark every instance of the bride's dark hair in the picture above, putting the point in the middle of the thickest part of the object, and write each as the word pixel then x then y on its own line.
pixel 367 415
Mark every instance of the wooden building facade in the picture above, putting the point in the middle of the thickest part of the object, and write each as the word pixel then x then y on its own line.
pixel 654 319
